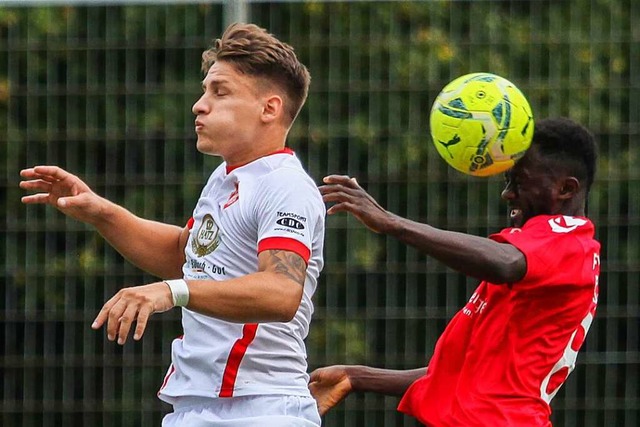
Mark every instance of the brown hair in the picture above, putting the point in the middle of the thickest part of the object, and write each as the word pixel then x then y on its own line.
pixel 253 51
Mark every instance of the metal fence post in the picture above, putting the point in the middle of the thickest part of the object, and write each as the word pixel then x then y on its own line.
pixel 236 11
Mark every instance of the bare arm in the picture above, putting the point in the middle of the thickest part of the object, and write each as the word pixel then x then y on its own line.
pixel 272 294
pixel 473 256
pixel 152 246
pixel 332 384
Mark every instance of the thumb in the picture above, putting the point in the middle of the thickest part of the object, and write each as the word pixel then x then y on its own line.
pixel 63 202
pixel 72 201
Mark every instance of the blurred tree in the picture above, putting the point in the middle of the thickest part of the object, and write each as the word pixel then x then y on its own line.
pixel 107 93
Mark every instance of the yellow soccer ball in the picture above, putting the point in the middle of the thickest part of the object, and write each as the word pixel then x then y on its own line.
pixel 481 124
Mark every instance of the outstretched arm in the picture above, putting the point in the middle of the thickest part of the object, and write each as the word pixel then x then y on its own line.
pixel 474 256
pixel 332 384
pixel 152 246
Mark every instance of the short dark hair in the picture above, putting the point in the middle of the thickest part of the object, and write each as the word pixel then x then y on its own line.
pixel 570 144
pixel 253 51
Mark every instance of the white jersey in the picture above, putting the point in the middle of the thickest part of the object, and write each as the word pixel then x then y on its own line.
pixel 270 203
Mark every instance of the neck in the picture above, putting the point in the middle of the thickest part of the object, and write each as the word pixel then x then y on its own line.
pixel 574 207
pixel 231 167
pixel 267 141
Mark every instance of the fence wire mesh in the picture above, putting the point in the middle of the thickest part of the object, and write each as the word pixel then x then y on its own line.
pixel 106 92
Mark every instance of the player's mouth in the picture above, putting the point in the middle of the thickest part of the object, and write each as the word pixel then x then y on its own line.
pixel 515 216
pixel 199 125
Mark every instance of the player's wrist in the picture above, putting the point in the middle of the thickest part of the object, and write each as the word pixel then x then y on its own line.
pixel 355 375
pixel 179 292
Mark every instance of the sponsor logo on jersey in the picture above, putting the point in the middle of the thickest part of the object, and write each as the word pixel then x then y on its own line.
pixel 476 305
pixel 200 267
pixel 565 224
pixel 291 215
pixel 291 223
pixel 207 238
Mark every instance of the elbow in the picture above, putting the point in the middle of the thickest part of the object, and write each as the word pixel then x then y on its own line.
pixel 284 313
pixel 511 270
pixel 286 316
pixel 288 311
pixel 288 304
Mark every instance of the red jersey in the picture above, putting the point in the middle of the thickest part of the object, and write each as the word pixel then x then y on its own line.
pixel 503 357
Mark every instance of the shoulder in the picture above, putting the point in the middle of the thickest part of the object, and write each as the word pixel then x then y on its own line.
pixel 550 234
pixel 558 225
pixel 285 173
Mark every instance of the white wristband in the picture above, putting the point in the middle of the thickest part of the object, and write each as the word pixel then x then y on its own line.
pixel 179 292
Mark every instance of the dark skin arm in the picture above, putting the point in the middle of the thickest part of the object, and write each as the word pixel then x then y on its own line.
pixel 332 384
pixel 474 256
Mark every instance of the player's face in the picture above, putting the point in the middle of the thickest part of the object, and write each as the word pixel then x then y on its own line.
pixel 531 189
pixel 228 114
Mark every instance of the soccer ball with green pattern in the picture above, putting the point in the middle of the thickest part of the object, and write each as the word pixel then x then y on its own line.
pixel 481 124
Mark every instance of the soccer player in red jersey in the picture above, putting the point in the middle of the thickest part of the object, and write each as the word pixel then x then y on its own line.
pixel 505 354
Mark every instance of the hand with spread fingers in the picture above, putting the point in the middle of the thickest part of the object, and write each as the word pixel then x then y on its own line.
pixel 63 190
pixel 348 196
pixel 131 305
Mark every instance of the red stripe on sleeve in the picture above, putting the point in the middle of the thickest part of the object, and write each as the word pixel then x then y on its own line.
pixel 286 244
pixel 235 357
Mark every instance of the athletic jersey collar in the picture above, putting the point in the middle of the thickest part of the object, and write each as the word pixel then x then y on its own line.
pixel 285 150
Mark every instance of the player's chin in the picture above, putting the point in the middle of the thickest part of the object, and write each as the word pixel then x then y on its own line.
pixel 205 145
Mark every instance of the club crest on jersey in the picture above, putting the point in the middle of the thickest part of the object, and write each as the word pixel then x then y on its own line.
pixel 207 238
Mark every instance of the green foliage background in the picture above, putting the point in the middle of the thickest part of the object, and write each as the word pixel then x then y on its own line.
pixel 107 91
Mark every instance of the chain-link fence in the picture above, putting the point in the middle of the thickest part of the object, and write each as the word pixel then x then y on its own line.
pixel 106 92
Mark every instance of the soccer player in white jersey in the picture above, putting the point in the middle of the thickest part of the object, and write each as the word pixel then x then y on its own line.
pixel 245 267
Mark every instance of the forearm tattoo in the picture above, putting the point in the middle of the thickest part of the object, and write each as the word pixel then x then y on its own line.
pixel 289 264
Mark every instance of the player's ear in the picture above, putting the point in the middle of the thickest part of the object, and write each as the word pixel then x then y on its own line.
pixel 569 187
pixel 272 108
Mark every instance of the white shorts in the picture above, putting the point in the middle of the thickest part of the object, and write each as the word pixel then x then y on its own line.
pixel 244 411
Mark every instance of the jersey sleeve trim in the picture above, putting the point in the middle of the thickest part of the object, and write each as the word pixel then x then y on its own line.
pixel 190 223
pixel 286 244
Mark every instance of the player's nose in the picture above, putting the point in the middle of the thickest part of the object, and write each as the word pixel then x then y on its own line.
pixel 199 107
pixel 508 193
